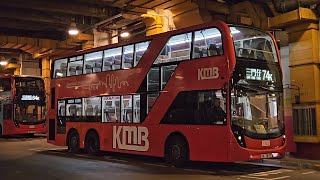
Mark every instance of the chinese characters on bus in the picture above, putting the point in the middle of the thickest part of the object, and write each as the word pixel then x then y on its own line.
pixel 259 74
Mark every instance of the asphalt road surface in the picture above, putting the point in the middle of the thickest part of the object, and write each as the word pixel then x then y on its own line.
pixel 32 159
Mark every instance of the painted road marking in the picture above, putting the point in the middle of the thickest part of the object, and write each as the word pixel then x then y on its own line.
pixel 311 172
pixel 253 177
pixel 158 165
pixel 112 159
pixel 260 178
pixel 265 175
pixel 273 172
pixel 283 177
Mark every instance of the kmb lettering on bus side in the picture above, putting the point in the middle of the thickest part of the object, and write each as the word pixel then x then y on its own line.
pixel 208 73
pixel 130 138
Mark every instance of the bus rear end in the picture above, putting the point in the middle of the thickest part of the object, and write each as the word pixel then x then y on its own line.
pixel 256 95
pixel 28 107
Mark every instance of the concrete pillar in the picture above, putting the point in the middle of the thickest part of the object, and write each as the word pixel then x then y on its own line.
pixel 304 62
pixel 104 38
pixel 46 77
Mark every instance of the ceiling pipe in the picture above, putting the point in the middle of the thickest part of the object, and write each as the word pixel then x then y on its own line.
pixel 283 6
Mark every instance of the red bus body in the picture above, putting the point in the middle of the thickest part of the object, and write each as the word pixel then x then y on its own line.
pixel 9 124
pixel 216 143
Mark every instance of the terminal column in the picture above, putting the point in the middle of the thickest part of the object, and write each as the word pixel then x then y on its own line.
pixel 303 30
pixel 46 77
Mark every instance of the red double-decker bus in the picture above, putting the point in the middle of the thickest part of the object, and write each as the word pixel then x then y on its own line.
pixel 210 92
pixel 22 105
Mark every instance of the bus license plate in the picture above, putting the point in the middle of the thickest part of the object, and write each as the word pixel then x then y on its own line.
pixel 269 155
pixel 32 126
pixel 266 143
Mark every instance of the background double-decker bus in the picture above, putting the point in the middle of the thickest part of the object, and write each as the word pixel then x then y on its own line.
pixel 160 96
pixel 22 105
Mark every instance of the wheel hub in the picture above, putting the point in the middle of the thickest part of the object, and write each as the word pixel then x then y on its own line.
pixel 176 152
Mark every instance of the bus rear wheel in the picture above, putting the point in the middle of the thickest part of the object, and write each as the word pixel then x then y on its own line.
pixel 73 142
pixel 176 152
pixel 92 143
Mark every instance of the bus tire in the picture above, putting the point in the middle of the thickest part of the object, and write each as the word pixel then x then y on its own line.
pixel 73 142
pixel 0 130
pixel 92 143
pixel 176 151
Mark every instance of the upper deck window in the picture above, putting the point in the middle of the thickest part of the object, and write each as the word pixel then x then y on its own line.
pixel 112 59
pixel 75 66
pixel 92 62
pixel 177 49
pixel 127 57
pixel 140 49
pixel 253 44
pixel 60 68
pixel 29 84
pixel 207 42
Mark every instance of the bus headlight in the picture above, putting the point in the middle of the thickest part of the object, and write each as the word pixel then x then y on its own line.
pixel 239 137
pixel 283 139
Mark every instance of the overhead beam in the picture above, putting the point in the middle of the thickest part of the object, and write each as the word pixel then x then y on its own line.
pixel 28 25
pixel 64 7
pixel 42 17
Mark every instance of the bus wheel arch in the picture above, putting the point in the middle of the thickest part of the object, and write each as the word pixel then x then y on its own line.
pixel 176 150
pixel 92 142
pixel 73 141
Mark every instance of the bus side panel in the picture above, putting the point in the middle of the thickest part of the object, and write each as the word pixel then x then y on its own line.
pixel 206 143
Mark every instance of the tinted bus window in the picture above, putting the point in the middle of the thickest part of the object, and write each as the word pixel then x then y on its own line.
pixel 92 109
pixel 207 43
pixel 5 84
pixel 136 109
pixel 126 109
pixel 176 49
pixel 112 59
pixel 253 44
pixel 127 57
pixel 140 49
pixel 75 66
pixel 153 79
pixel 60 68
pixel 7 111
pixel 166 73
pixel 74 109
pixel 197 107
pixel 92 62
pixel 111 109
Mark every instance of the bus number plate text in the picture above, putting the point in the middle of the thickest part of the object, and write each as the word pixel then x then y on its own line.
pixel 269 155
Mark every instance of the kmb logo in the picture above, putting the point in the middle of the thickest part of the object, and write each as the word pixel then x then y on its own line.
pixel 208 73
pixel 130 138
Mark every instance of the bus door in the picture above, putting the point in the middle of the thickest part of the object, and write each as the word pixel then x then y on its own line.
pixel 213 129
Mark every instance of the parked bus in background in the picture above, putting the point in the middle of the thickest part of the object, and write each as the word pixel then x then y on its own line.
pixel 210 92
pixel 22 105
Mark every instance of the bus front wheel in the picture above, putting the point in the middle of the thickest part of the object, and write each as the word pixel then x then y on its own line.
pixel 92 143
pixel 73 142
pixel 176 152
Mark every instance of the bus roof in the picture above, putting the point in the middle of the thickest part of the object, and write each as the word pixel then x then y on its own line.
pixel 141 39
